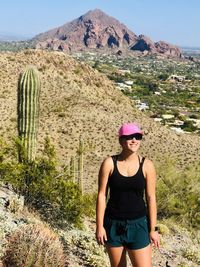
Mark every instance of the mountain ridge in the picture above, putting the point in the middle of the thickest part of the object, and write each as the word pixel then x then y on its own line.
pixel 97 30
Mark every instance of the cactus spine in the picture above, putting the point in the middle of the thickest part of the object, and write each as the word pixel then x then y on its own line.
pixel 28 112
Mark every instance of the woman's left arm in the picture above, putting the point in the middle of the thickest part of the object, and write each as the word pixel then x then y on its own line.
pixel 150 174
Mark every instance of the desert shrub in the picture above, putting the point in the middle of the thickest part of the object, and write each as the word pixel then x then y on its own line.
pixel 195 116
pixel 191 254
pixel 78 70
pixel 89 204
pixel 91 253
pixel 163 229
pixel 178 193
pixel 116 78
pixel 34 245
pixel 43 186
pixel 147 83
pixel 188 126
pixel 62 115
pixel 163 76
pixel 96 64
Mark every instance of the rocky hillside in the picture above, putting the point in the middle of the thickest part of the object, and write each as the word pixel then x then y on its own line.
pixel 77 101
pixel 179 248
pixel 96 30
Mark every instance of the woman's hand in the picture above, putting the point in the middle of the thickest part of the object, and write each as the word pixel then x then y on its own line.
pixel 155 238
pixel 101 235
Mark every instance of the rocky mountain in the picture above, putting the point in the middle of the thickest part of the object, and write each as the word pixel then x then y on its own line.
pixel 96 30
pixel 144 43
pixel 77 100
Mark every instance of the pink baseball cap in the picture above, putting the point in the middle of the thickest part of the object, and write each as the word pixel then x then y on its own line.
pixel 129 128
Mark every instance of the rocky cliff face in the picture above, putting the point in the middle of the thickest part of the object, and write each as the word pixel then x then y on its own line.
pixel 93 30
pixel 144 43
pixel 167 49
pixel 96 30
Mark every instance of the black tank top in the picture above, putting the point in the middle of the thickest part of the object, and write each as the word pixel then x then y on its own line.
pixel 126 199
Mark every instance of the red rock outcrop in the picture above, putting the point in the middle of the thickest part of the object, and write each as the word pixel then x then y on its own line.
pixel 167 49
pixel 96 30
pixel 93 30
pixel 144 43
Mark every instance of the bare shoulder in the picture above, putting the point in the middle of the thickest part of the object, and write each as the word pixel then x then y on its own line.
pixel 148 163
pixel 149 167
pixel 108 160
pixel 104 172
pixel 107 164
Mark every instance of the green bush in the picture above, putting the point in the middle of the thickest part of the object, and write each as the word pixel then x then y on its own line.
pixel 188 126
pixel 147 83
pixel 89 204
pixel 116 78
pixel 44 187
pixel 178 193
pixel 163 76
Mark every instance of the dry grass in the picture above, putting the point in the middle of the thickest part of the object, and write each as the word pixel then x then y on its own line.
pixel 77 100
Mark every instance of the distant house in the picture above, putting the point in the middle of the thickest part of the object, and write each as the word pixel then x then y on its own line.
pixel 142 106
pixel 123 86
pixel 157 119
pixel 177 78
pixel 157 93
pixel 178 122
pixel 129 82
pixel 167 116
pixel 124 71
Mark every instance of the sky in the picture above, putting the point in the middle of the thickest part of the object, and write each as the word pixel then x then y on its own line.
pixel 173 21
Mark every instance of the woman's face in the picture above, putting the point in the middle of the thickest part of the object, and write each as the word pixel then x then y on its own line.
pixel 130 144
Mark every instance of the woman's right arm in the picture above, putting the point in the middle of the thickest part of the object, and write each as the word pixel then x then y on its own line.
pixel 104 172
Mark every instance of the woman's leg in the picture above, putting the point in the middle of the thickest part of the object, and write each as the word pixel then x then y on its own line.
pixel 117 256
pixel 141 257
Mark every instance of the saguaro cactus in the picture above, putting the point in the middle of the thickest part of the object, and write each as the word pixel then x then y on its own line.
pixel 80 151
pixel 73 169
pixel 28 112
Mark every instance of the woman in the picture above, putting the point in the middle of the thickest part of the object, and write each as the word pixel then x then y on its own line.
pixel 122 224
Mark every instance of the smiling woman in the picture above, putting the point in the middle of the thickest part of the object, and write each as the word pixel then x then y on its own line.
pixel 126 222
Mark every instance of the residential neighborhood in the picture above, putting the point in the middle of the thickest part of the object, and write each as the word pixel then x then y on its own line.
pixel 167 89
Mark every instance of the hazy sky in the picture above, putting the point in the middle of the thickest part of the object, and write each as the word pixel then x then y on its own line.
pixel 174 21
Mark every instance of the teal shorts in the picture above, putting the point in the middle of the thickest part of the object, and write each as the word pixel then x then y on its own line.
pixel 132 234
